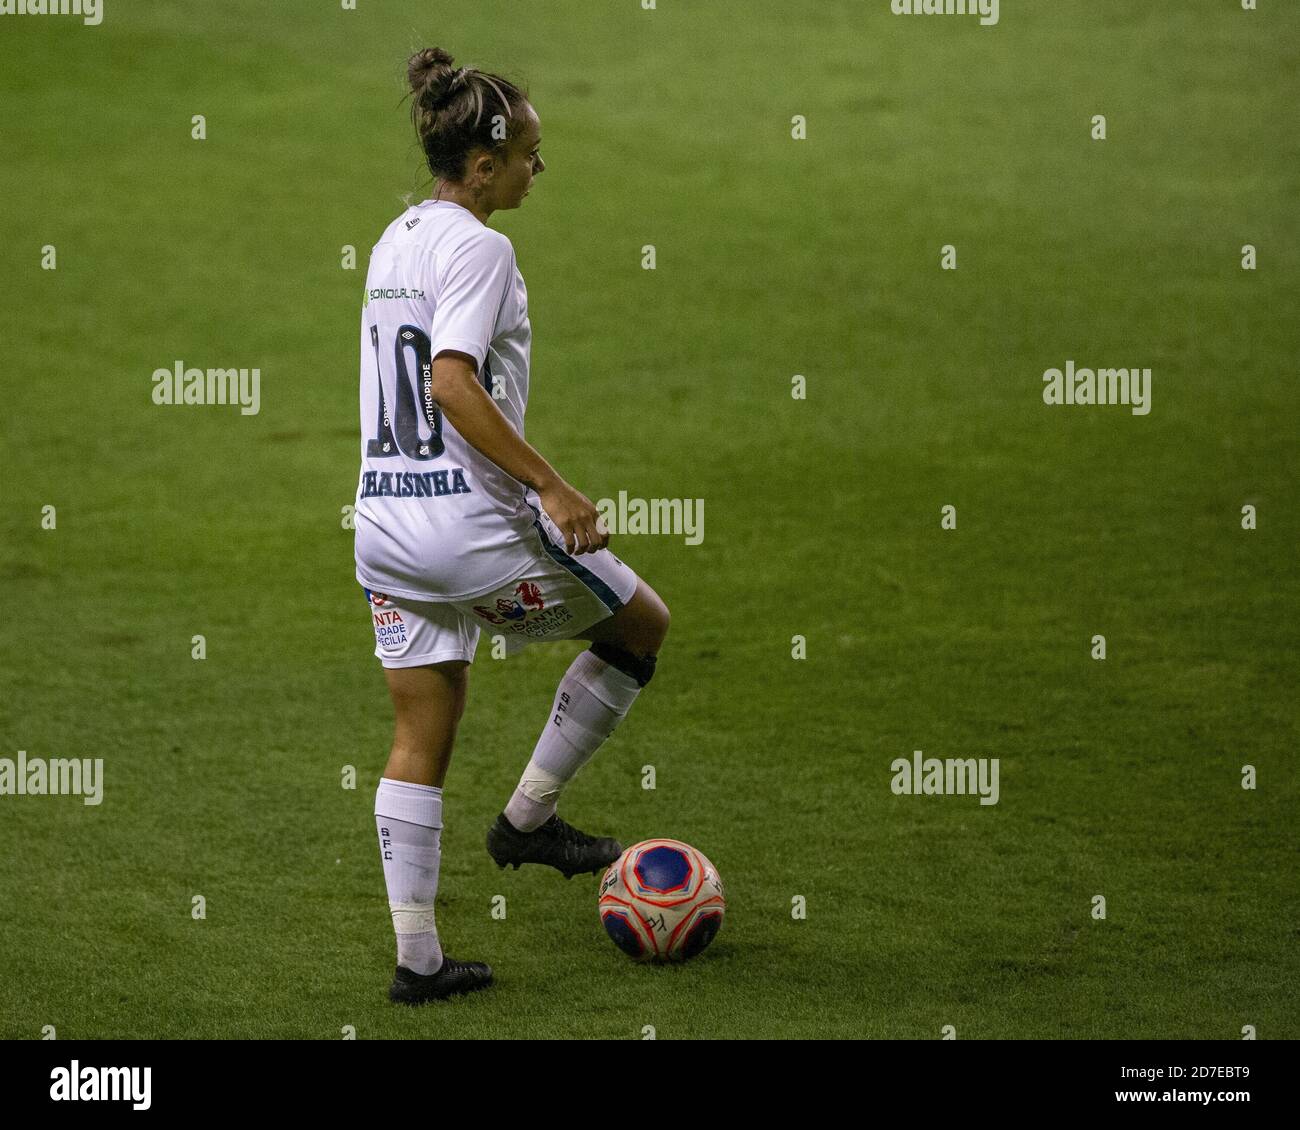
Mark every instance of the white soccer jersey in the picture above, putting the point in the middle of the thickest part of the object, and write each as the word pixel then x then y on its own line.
pixel 436 520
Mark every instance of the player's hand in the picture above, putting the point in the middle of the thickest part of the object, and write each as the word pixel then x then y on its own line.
pixel 575 517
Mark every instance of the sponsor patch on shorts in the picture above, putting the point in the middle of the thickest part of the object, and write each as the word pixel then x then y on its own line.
pixel 525 612
pixel 390 628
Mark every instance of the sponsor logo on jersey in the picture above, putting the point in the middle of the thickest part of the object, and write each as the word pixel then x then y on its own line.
pixel 395 292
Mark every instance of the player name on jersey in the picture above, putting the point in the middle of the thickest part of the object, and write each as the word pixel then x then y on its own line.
pixel 413 484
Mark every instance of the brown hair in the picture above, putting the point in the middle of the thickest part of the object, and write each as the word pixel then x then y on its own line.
pixel 453 110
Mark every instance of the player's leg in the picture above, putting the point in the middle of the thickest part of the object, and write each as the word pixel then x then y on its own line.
pixel 426 649
pixel 593 697
pixel 428 703
pixel 408 803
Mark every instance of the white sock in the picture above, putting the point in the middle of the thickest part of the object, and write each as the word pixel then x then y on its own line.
pixel 409 820
pixel 593 698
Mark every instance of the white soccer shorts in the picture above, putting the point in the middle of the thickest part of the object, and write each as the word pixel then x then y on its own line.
pixel 555 598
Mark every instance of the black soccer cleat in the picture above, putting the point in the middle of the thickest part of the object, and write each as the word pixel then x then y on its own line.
pixel 555 843
pixel 452 977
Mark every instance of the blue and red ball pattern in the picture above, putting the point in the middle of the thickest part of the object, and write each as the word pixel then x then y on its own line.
pixel 661 900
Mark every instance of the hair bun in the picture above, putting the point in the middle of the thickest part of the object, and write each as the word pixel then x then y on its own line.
pixel 430 75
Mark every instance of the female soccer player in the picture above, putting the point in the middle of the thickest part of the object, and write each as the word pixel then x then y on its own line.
pixel 461 525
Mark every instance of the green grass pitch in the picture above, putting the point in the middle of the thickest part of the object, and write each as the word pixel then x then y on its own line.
pixel 776 256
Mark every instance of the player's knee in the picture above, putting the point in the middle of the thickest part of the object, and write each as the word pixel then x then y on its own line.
pixel 646 636
pixel 660 627
pixel 638 667
pixel 653 626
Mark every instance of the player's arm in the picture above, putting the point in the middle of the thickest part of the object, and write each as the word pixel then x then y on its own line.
pixel 468 407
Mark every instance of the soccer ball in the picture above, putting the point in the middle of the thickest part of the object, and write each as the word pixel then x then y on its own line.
pixel 661 900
